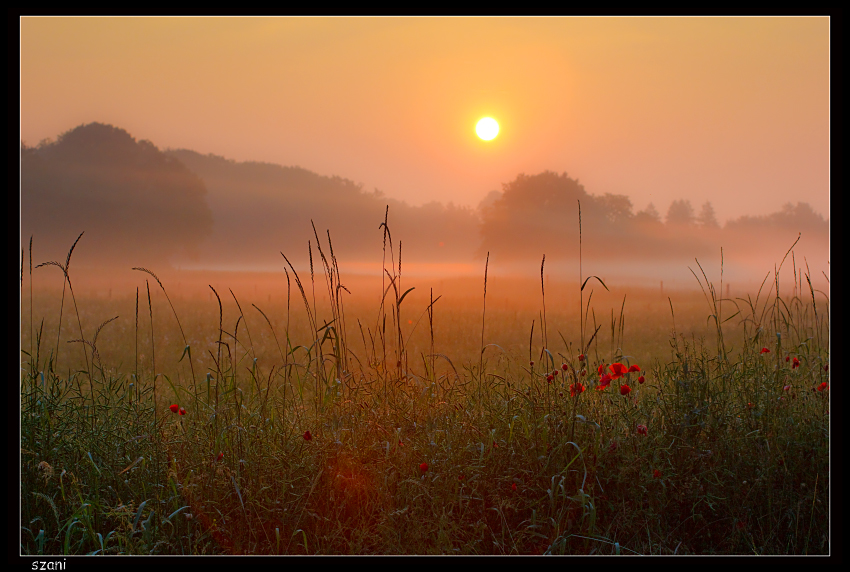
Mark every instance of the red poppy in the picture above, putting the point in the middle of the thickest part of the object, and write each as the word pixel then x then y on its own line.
pixel 656 473
pixel 581 357
pixel 423 467
pixel 513 486
pixel 307 435
pixel 495 446
pixel 625 389
pixel 400 444
pixel 618 370
pixel 220 457
pixel 634 368
pixel 796 364
pixel 786 388
pixel 549 378
pixel 601 369
pixel 174 408
pixel 787 358
pixel 604 382
pixel 641 379
pixel 750 405
pixel 823 386
pixel 642 430
pixel 182 411
pixel 564 366
pixel 576 388
pixel 583 372
pixel 764 351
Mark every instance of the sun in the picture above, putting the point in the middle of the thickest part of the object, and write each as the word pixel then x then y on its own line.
pixel 487 128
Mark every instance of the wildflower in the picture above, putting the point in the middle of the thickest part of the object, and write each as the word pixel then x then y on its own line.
pixel 625 389
pixel 787 358
pixel 307 435
pixel 764 351
pixel 823 386
pixel 601 369
pixel 576 388
pixel 642 430
pixel 174 408
pixel 560 394
pixel 583 372
pixel 531 363
pixel 513 487
pixel 220 457
pixel 423 467
pixel 604 382
pixel 656 473
pixel 633 368
pixel 750 405
pixel 564 366
pixel 400 444
pixel 495 446
pixel 549 378
pixel 618 370
pixel 786 388
pixel 581 357
pixel 796 364
pixel 641 379
pixel 182 411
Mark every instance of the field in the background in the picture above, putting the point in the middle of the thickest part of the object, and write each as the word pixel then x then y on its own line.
pixel 221 413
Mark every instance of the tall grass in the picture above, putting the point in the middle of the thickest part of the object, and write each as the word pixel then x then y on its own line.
pixel 323 449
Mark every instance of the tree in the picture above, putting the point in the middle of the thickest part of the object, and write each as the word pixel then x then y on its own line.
pixel 707 218
pixel 680 213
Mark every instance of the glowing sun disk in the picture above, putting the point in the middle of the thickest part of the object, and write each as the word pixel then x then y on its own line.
pixel 487 128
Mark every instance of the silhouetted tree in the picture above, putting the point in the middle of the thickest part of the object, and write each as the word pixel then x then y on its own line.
pixel 680 213
pixel 707 218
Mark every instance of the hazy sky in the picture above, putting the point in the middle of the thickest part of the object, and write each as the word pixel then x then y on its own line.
pixel 731 110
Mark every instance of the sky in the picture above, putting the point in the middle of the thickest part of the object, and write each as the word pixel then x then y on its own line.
pixel 734 111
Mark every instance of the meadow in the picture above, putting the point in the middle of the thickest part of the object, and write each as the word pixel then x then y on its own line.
pixel 311 412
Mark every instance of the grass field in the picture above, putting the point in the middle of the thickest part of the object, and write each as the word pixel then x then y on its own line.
pixel 316 419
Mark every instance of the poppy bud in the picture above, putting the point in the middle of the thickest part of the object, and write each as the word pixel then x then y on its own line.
pixel 787 358
pixel 423 467
pixel 513 487
pixel 531 363
pixel 174 408
pixel 564 366
pixel 549 378
pixel 307 435
pixel 581 357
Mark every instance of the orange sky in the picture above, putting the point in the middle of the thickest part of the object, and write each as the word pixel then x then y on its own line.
pixel 731 110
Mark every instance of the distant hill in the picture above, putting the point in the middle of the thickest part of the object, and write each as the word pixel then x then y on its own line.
pixel 261 209
pixel 136 205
